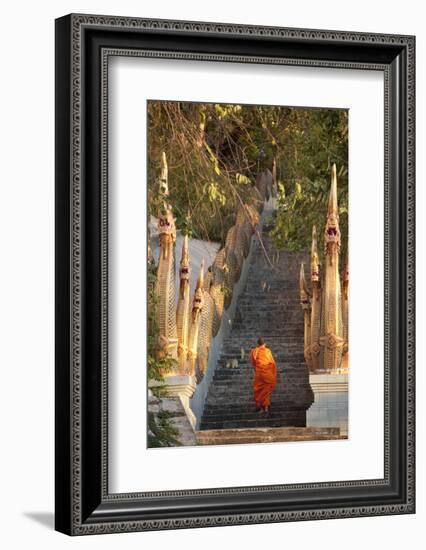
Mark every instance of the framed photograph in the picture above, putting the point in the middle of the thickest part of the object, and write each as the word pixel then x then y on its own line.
pixel 234 274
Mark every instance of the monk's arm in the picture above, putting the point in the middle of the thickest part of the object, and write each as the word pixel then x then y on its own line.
pixel 253 361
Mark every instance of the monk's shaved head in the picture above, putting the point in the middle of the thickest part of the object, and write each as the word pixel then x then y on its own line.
pixel 260 341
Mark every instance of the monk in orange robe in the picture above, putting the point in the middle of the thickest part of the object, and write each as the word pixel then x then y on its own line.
pixel 265 377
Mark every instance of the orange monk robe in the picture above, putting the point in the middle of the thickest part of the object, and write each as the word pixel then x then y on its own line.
pixel 265 376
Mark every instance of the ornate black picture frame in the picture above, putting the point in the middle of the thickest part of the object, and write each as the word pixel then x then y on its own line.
pixel 84 44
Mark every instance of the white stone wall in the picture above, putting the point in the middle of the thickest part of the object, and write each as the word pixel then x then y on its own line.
pixel 330 408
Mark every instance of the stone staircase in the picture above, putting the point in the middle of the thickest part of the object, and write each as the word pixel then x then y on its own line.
pixel 268 307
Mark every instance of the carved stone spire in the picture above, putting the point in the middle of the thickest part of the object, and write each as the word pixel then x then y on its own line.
pixel 166 276
pixel 164 177
pixel 305 302
pixel 315 265
pixel 332 230
pixel 315 302
pixel 194 324
pixel 166 221
pixel 182 312
pixel 331 340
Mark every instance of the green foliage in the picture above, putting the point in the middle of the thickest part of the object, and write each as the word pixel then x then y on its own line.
pixel 214 193
pixel 315 140
pixel 215 151
pixel 161 430
pixel 213 158
pixel 242 179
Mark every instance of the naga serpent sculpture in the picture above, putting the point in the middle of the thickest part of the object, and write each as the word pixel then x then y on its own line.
pixel 326 333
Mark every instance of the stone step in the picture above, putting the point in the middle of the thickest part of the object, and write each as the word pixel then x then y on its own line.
pixel 287 366
pixel 221 396
pixel 262 300
pixel 280 329
pixel 282 321
pixel 295 420
pixel 264 304
pixel 235 353
pixel 290 349
pixel 242 386
pixel 248 339
pixel 232 386
pixel 219 401
pixel 290 367
pixel 283 325
pixel 246 362
pixel 236 343
pixel 271 308
pixel 216 403
pixel 282 391
pixel 266 435
pixel 239 374
pixel 250 414
pixel 246 369
pixel 246 382
pixel 282 293
pixel 249 407
pixel 283 330
pixel 249 377
pixel 281 357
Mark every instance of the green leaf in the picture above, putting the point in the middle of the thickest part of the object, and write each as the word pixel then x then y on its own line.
pixel 242 179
